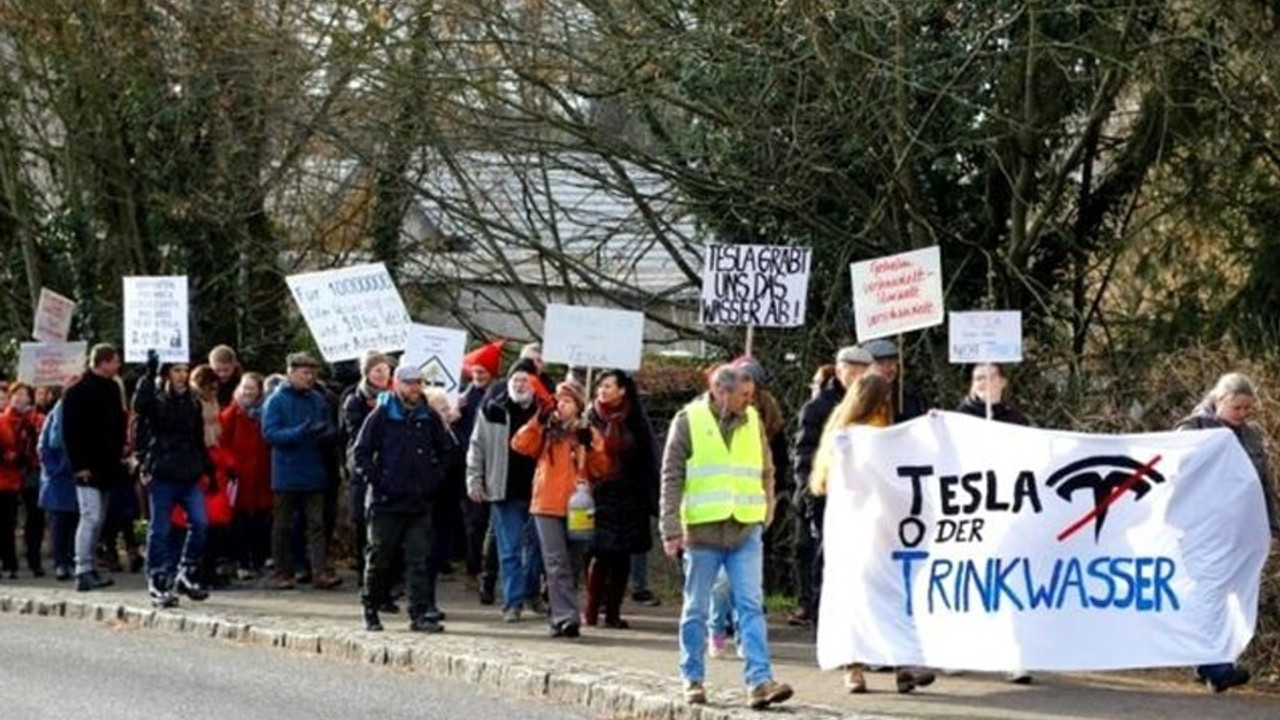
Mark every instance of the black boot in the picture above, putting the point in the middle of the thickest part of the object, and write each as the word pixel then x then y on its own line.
pixel 188 584
pixel 372 622
pixel 487 589
pixel 161 592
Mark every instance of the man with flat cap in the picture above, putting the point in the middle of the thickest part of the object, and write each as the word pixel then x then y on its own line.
pixel 884 352
pixel 297 424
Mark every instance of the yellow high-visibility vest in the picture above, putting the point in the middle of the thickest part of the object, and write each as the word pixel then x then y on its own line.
pixel 722 482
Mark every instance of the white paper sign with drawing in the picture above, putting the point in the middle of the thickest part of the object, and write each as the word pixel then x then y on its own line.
pixel 438 351
pixel 352 310
pixel 593 337
pixel 755 285
pixel 156 317
pixel 53 317
pixel 985 336
pixel 50 363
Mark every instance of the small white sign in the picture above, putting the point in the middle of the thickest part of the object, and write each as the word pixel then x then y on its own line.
pixel 898 293
pixel 53 317
pixel 351 311
pixel 755 285
pixel 438 351
pixel 985 336
pixel 593 337
pixel 156 317
pixel 50 363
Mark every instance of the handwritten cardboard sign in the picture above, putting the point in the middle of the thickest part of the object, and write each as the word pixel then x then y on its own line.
pixel 156 317
pixel 438 352
pixel 982 336
pixel 352 310
pixel 897 294
pixel 755 285
pixel 593 337
pixel 50 363
pixel 53 317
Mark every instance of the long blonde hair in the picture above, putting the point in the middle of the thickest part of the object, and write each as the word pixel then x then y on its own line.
pixel 866 403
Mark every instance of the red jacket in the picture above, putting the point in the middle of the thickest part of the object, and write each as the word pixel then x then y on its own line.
pixel 242 438
pixel 18 433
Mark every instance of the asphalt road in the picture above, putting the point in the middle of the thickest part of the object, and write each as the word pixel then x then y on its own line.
pixel 56 669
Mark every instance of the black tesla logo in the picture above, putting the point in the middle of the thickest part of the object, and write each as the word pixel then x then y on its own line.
pixel 1107 478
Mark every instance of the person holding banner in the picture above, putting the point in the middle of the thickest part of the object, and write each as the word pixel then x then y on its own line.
pixel 986 399
pixel 851 363
pixel 717 498
pixel 58 494
pixel 1230 404
pixel 171 444
pixel 867 402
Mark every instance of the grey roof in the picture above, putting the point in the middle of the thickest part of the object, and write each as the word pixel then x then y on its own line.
pixel 620 225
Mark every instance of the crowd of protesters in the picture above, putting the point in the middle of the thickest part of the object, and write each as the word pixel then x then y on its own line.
pixel 238 478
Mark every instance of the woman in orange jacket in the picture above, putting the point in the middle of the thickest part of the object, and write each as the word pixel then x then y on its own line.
pixel 19 428
pixel 568 452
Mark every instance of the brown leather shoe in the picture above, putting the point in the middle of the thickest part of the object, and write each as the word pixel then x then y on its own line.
pixel 281 581
pixel 326 581
pixel 695 693
pixel 768 693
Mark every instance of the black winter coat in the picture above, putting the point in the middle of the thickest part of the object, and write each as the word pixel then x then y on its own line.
pixel 170 434
pixel 812 420
pixel 625 504
pixel 94 430
pixel 1000 411
pixel 401 455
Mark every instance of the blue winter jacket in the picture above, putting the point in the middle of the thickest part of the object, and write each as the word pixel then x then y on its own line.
pixel 57 479
pixel 298 424
pixel 402 455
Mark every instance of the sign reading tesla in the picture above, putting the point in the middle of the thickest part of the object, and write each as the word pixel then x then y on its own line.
pixel 956 542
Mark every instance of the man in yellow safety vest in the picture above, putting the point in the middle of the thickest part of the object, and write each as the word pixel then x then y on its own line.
pixel 717 498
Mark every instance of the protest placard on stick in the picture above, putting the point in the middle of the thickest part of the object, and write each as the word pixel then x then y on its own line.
pixel 53 317
pixel 50 363
pixel 897 294
pixel 755 285
pixel 438 352
pixel 593 337
pixel 351 310
pixel 156 317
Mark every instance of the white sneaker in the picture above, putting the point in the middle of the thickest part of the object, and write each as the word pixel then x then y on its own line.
pixel 1018 677
pixel 719 647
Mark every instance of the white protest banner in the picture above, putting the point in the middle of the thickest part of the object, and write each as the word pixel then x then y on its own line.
pixel 53 317
pixel 593 337
pixel 156 317
pixel 50 363
pixel 351 310
pixel 957 542
pixel 755 285
pixel 438 352
pixel 985 336
pixel 897 294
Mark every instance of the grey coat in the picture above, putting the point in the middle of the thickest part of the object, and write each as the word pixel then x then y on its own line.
pixel 489 452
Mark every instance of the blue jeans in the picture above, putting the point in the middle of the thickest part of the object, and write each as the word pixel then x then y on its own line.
pixel 519 559
pixel 745 567
pixel 721 619
pixel 161 556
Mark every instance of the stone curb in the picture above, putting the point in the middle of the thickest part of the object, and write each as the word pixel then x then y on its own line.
pixel 611 692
